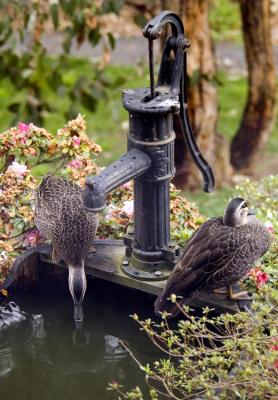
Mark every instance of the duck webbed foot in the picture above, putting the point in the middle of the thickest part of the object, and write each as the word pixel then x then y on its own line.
pixel 243 295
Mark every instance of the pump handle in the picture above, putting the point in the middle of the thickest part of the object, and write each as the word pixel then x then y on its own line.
pixel 173 75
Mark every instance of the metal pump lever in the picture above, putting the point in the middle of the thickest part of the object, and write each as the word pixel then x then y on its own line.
pixel 172 74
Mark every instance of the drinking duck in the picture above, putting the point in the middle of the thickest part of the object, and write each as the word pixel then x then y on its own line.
pixel 60 216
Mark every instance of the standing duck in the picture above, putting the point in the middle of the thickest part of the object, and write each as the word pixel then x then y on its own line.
pixel 220 253
pixel 60 216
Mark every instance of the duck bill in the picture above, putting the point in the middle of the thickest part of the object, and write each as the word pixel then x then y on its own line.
pixel 77 287
pixel 251 211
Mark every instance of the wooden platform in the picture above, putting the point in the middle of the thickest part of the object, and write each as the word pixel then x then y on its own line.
pixel 105 264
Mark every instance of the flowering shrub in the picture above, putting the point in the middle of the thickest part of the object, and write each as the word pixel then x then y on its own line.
pixel 185 218
pixel 118 214
pixel 263 196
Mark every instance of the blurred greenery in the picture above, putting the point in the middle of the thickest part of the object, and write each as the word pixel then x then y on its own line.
pixel 225 20
pixel 109 123
pixel 212 204
pixel 106 125
pixel 25 60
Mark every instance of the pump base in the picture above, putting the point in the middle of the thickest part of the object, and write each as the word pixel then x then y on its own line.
pixel 146 271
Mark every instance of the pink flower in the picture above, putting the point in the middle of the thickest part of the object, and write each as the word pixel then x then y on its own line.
pixel 262 278
pixel 258 276
pixel 3 256
pixel 128 207
pixel 32 237
pixel 274 345
pixel 275 364
pixel 76 141
pixel 110 212
pixel 126 185
pixel 269 227
pixel 23 127
pixel 32 151
pixel 75 164
pixel 18 169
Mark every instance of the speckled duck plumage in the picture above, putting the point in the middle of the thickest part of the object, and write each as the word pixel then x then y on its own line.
pixel 220 253
pixel 60 216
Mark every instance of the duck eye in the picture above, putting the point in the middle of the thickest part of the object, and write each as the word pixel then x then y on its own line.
pixel 244 205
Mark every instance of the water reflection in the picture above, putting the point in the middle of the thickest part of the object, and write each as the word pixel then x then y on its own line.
pixel 44 355
pixel 37 323
pixel 10 315
pixel 114 350
pixel 80 335
pixel 6 361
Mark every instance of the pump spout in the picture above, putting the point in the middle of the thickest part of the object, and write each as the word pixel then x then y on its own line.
pixel 131 165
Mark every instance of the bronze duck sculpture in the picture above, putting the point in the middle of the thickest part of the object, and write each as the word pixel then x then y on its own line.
pixel 60 217
pixel 220 253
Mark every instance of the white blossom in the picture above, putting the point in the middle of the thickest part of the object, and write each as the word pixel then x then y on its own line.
pixel 18 169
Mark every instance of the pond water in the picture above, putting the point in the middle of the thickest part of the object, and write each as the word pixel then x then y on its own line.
pixel 43 355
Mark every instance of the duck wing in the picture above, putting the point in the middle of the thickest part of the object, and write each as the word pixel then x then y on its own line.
pixel 49 202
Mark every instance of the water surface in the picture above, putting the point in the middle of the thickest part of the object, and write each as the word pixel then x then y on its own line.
pixel 44 356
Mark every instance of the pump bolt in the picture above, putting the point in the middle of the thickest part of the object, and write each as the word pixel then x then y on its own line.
pixel 125 262
pixel 158 273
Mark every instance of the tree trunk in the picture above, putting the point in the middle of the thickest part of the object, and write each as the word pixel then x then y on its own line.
pixel 259 114
pixel 202 99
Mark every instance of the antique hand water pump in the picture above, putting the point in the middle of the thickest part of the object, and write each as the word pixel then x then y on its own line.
pixel 149 161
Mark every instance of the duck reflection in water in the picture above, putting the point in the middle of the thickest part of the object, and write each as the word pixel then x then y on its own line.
pixel 37 336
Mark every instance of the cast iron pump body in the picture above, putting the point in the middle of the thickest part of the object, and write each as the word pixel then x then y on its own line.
pixel 149 161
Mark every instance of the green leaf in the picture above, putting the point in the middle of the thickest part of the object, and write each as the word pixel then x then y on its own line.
pixel 118 82
pixel 89 101
pixel 94 36
pixel 195 78
pixel 140 20
pixel 14 107
pixel 68 6
pixel 112 6
pixel 54 12
pixel 112 40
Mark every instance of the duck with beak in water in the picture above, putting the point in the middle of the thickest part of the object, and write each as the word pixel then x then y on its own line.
pixel 220 253
pixel 60 217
